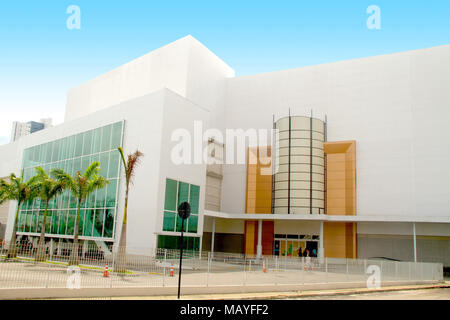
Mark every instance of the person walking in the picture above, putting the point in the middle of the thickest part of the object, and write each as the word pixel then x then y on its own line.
pixel 300 252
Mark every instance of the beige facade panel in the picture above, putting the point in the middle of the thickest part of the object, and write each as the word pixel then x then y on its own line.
pixel 318 136
pixel 299 202
pixel 300 123
pixel 298 210
pixel 278 194
pixel 281 202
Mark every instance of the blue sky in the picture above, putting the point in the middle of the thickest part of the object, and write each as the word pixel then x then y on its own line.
pixel 40 59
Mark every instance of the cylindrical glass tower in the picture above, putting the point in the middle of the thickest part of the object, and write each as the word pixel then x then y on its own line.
pixel 299 170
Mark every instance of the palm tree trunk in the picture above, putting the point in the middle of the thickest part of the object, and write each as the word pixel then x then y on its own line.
pixel 12 251
pixel 40 254
pixel 74 255
pixel 122 259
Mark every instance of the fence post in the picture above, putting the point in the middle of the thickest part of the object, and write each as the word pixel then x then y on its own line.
pixel 208 268
pixel 303 270
pixel 381 272
pixel 245 274
pixel 409 271
pixel 396 270
pixel 421 273
pixel 346 260
pixel 164 267
pixel 326 270
pixel 112 266
pixel 48 269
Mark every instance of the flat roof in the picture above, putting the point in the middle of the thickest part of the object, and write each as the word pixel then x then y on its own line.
pixel 325 217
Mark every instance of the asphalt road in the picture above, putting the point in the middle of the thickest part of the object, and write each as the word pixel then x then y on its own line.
pixel 425 294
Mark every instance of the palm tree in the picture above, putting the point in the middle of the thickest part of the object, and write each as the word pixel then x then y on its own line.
pixel 130 167
pixel 21 191
pixel 80 185
pixel 49 188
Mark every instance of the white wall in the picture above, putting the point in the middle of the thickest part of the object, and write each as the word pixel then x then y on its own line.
pixel 395 106
pixel 179 114
pixel 185 66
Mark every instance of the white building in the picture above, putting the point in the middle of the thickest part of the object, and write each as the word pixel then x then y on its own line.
pixel 386 116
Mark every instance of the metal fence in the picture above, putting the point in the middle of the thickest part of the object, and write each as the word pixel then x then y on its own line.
pixel 153 268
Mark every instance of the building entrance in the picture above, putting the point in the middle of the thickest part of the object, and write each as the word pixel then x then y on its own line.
pixel 289 245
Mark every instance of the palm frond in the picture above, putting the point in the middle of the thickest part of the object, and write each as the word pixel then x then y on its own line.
pixel 66 179
pixel 94 168
pixel 96 182
pixel 133 161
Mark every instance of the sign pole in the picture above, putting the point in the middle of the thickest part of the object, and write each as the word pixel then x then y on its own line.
pixel 184 211
pixel 181 257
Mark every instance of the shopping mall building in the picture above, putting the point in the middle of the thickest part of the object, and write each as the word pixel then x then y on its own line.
pixel 350 158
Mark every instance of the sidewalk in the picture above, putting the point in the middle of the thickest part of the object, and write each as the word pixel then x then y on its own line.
pixel 277 295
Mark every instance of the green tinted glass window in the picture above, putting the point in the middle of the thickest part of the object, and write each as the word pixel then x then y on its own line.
pixel 113 164
pixel 63 149
pixel 88 223
pixel 109 223
pixel 85 163
pixel 172 242
pixel 106 138
pixel 111 193
pixel 27 157
pixel 87 143
pixel 34 220
pixel 54 223
pixel 100 198
pixel 76 166
pixel 194 198
pixel 70 147
pixel 192 223
pixel 116 135
pixel 56 150
pixel 169 221
pixel 62 222
pixel 183 193
pixel 78 145
pixel 104 160
pixel 171 195
pixel 180 223
pixel 90 203
pixel 98 222
pixel 48 154
pixel 96 140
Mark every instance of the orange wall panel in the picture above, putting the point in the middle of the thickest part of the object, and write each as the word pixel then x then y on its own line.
pixel 340 238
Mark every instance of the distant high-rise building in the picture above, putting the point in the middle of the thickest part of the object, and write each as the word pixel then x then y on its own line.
pixel 20 129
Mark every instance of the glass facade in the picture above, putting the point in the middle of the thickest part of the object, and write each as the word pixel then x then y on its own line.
pixel 176 193
pixel 72 154
pixel 172 242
